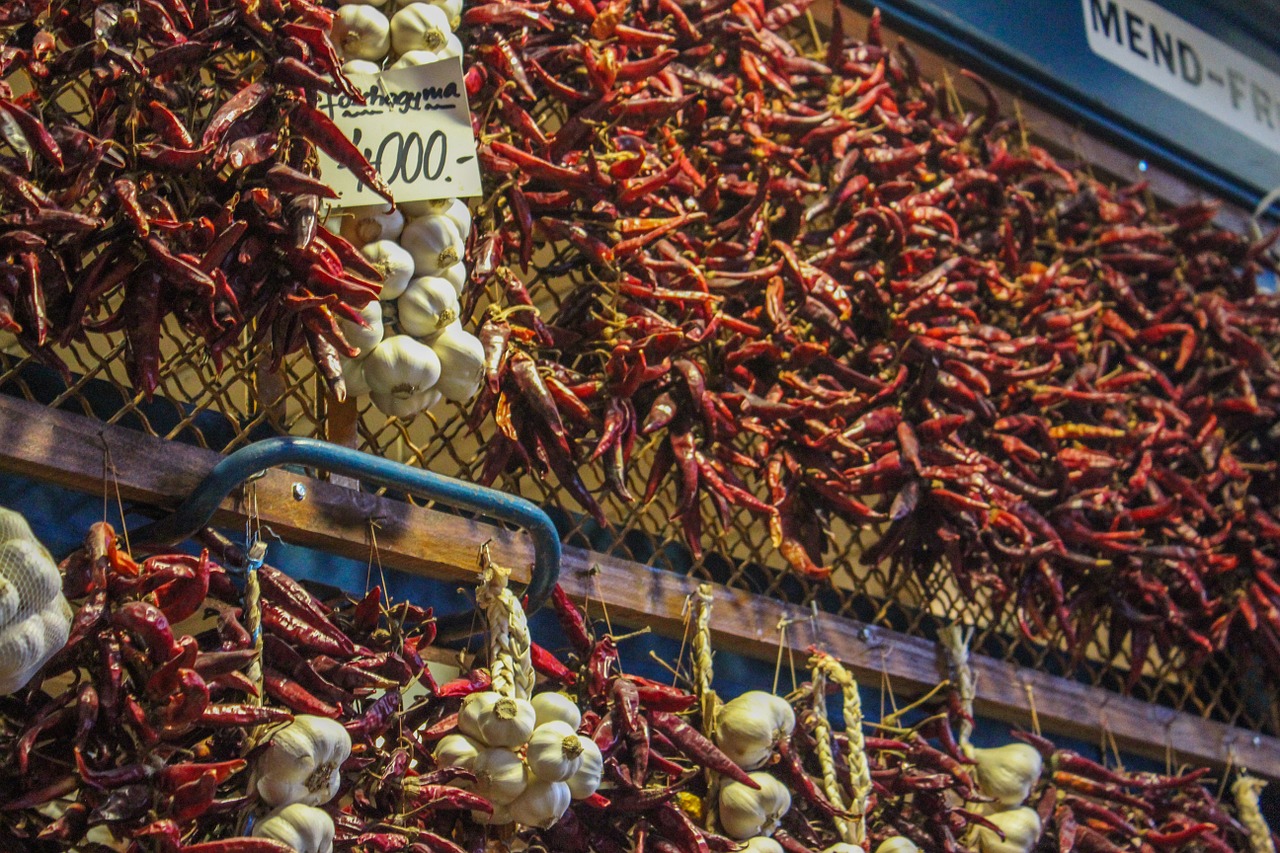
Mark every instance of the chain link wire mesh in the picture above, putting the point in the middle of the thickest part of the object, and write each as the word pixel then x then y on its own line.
pixel 225 409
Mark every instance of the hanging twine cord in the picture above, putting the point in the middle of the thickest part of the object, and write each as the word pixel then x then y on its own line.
pixel 859 771
pixel 955 645
pixel 708 702
pixel 510 663
pixel 1247 790
pixel 826 758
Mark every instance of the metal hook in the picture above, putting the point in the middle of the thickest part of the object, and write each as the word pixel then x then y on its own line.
pixel 253 460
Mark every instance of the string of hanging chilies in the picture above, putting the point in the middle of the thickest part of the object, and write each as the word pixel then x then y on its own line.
pixel 802 286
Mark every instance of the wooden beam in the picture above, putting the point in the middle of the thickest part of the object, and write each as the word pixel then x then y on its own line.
pixel 67 449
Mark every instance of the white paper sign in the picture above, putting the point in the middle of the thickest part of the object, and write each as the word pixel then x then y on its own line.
pixel 415 128
pixel 1187 63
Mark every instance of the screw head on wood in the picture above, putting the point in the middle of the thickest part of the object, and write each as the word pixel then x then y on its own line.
pixel 299 492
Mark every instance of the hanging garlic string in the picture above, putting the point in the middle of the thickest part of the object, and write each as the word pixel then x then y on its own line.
pixel 1247 790
pixel 826 758
pixel 859 771
pixel 955 644
pixel 708 702
pixel 510 662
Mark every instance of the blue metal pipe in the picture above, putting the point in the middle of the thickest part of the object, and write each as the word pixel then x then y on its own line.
pixel 194 513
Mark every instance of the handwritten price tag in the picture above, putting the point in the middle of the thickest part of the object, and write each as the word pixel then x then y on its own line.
pixel 415 128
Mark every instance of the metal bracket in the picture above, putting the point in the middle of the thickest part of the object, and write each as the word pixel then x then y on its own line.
pixel 193 514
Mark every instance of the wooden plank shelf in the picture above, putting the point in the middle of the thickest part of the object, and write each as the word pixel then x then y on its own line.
pixel 68 450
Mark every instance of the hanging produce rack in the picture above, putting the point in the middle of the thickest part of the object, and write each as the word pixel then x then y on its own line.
pixel 68 450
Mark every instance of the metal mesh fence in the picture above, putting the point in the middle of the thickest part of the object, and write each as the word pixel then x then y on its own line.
pixel 225 409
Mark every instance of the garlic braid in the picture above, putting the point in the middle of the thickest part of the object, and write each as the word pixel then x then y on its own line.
pixel 510 662
pixel 859 772
pixel 955 643
pixel 826 759
pixel 1247 790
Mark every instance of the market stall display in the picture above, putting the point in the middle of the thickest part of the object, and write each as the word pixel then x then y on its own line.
pixel 830 295
pixel 851 342
pixel 326 731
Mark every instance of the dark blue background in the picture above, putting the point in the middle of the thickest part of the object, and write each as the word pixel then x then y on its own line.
pixel 1039 49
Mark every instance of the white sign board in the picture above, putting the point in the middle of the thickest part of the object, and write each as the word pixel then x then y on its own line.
pixel 415 128
pixel 1187 63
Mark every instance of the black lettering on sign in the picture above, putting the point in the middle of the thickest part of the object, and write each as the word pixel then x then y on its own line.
pixel 1191 70
pixel 1235 83
pixel 1261 104
pixel 436 139
pixel 1105 18
pixel 1162 47
pixel 1133 29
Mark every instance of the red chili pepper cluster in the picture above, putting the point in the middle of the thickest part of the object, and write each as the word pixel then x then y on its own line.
pixel 150 735
pixel 159 159
pixel 1089 807
pixel 824 294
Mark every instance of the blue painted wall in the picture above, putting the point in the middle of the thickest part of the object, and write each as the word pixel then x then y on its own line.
pixel 1039 49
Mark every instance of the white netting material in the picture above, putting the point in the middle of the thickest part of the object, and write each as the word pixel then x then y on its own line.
pixel 35 620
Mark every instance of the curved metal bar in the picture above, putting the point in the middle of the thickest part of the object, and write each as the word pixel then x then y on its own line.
pixel 194 513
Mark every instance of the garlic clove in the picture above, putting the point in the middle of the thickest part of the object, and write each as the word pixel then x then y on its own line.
pixel 452 10
pixel 897 844
pixel 361 32
pixel 461 362
pixel 419 26
pixel 404 406
pixel 542 804
pixel 401 366
pixel 452 48
pixel 749 725
pixel 586 779
pixel 353 376
pixel 554 752
pixel 496 720
pixel 455 275
pixel 1021 828
pixel 427 306
pixel 501 816
pixel 362 225
pixel 745 812
pixel 395 265
pixel 359 336
pixel 501 775
pixel 360 66
pixel 460 215
pixel 306 829
pixel 556 706
pixel 457 750
pixel 844 847
pixel 1008 773
pixel 415 58
pixel 762 844
pixel 434 243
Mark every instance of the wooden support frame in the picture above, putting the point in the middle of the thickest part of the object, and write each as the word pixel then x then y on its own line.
pixel 68 450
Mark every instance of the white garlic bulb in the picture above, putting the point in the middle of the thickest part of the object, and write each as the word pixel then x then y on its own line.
pixel 361 32
pixel 395 265
pixel 1007 773
pixel 586 779
pixel 749 725
pixel 419 26
pixel 556 706
pixel 415 58
pixel 501 776
pixel 745 812
pixel 427 305
pixel 542 804
pixel 496 720
pixel 365 339
pixel 369 224
pixel 554 752
pixel 434 243
pixel 1021 828
pixel 461 362
pixel 361 66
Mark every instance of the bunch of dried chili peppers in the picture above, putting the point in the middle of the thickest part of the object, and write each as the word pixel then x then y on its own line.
pixel 159 158
pixel 824 292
